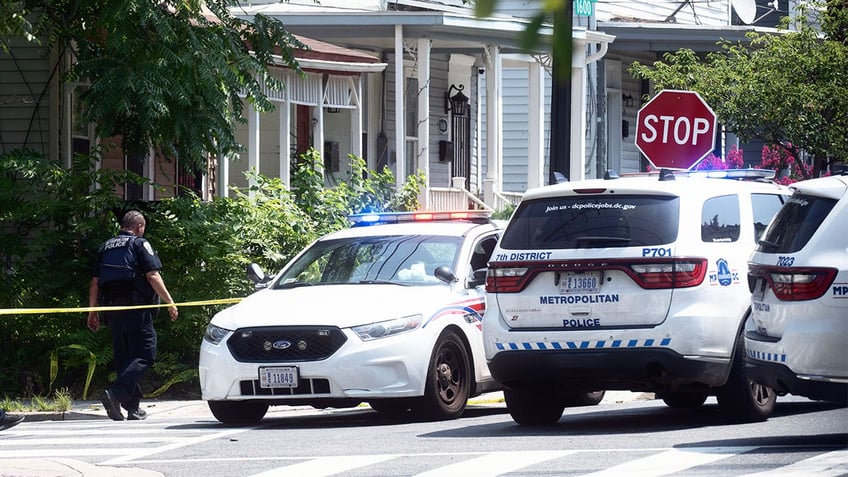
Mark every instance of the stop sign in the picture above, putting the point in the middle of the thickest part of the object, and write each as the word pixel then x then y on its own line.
pixel 676 129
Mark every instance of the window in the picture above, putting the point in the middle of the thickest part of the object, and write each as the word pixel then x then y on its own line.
pixel 720 219
pixel 795 223
pixel 765 207
pixel 596 222
pixel 404 259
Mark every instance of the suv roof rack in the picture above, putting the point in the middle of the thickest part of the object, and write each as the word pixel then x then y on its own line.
pixel 735 174
pixel 375 218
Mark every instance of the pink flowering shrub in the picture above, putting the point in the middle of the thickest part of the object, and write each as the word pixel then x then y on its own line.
pixel 713 162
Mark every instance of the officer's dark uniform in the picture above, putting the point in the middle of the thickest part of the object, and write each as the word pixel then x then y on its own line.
pixel 122 263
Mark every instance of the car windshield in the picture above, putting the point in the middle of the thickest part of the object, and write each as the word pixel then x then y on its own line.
pixel 389 259
pixel 593 222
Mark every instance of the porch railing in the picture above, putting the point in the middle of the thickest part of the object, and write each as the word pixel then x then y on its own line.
pixel 459 198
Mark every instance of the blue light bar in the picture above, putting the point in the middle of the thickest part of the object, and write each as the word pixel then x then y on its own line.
pixel 417 216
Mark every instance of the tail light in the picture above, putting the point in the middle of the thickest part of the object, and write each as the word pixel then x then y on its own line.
pixel 669 274
pixel 795 284
pixel 507 280
pixel 649 274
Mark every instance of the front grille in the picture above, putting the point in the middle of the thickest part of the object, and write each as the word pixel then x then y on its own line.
pixel 307 386
pixel 285 343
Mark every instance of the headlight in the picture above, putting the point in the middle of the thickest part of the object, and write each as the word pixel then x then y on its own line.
pixel 214 334
pixel 382 329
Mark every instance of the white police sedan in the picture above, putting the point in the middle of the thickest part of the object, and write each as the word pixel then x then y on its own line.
pixel 386 312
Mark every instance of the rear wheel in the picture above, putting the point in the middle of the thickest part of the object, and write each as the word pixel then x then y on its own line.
pixel 533 405
pixel 448 380
pixel 684 400
pixel 238 412
pixel 742 399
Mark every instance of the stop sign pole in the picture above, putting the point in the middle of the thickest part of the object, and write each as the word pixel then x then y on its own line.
pixel 676 129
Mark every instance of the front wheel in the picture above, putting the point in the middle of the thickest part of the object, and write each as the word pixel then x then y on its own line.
pixel 533 405
pixel 448 379
pixel 238 412
pixel 742 399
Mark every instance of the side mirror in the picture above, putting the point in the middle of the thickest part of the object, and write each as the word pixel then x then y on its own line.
pixel 444 274
pixel 257 276
pixel 477 278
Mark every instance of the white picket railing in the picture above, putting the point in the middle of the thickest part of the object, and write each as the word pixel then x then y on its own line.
pixel 458 198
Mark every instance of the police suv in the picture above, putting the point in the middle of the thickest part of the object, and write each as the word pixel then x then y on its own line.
pixel 387 312
pixel 629 283
pixel 796 339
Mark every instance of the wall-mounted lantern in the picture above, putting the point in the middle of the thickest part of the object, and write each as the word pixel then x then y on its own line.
pixel 627 99
pixel 458 103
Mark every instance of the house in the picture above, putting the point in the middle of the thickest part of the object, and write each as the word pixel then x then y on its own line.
pixel 437 49
pixel 422 85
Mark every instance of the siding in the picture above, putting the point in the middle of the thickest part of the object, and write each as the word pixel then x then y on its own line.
pixel 25 98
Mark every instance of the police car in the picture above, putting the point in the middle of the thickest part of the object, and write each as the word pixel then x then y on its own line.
pixel 387 312
pixel 796 339
pixel 628 283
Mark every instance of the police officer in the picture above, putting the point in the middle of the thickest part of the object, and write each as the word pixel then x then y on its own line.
pixel 127 274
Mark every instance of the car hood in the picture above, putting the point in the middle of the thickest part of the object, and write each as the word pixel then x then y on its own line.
pixel 339 305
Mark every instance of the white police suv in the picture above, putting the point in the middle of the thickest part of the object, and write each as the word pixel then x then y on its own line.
pixel 796 339
pixel 386 312
pixel 628 283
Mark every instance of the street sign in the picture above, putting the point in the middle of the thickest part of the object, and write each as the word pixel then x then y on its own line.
pixel 676 129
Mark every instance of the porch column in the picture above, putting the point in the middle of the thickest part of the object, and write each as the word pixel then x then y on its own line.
pixel 494 126
pixel 285 140
pixel 400 133
pixel 423 152
pixel 578 108
pixel 374 96
pixel 356 118
pixel 252 144
pixel 223 176
pixel 536 126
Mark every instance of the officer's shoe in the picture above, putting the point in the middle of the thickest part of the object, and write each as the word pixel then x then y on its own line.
pixel 112 406
pixel 137 415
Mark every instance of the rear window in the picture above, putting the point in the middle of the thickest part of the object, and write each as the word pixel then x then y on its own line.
pixel 593 222
pixel 795 223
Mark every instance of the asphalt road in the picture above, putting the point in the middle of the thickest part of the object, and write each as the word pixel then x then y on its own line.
pixel 627 434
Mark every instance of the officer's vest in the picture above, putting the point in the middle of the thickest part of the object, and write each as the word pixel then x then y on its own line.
pixel 118 272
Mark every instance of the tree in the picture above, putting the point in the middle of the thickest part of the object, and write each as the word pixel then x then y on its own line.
pixel 165 74
pixel 786 89
pixel 13 22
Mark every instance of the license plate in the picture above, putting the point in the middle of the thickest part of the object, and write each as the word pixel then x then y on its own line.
pixel 582 282
pixel 278 377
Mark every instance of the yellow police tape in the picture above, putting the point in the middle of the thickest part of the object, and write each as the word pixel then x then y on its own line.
pixel 33 311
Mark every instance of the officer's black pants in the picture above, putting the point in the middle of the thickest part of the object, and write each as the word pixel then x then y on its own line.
pixel 134 348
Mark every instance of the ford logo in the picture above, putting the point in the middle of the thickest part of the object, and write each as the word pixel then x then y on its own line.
pixel 281 344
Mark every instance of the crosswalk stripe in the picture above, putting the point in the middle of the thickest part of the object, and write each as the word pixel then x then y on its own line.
pixel 833 463
pixel 671 461
pixel 495 464
pixel 324 466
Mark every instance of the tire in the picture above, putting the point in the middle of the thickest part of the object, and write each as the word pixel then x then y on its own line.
pixel 449 378
pixel 238 412
pixel 684 400
pixel 533 405
pixel 740 398
pixel 584 399
pixel 391 407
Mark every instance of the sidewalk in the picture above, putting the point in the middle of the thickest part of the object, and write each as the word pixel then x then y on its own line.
pixel 83 410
